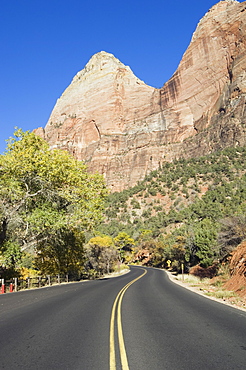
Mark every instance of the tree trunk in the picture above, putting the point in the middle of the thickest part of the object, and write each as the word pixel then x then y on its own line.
pixel 3 231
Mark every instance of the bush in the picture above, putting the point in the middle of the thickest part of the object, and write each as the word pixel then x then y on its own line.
pixel 202 272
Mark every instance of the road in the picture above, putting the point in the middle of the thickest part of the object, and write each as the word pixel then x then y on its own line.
pixel 141 320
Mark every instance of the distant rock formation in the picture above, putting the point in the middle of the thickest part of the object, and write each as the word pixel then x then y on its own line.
pixel 123 128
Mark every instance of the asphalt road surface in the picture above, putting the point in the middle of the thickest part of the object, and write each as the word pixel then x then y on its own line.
pixel 138 321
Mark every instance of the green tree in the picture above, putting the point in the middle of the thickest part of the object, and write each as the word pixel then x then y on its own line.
pixel 44 192
pixel 10 259
pixel 124 244
pixel 205 242
pixel 63 253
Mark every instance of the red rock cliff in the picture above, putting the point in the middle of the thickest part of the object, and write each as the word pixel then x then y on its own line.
pixel 123 128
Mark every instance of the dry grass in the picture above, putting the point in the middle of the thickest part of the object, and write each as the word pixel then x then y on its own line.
pixel 213 287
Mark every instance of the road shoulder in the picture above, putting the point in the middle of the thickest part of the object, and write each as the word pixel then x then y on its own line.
pixel 177 279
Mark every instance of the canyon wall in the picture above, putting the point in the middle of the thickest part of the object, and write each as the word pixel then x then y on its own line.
pixel 123 128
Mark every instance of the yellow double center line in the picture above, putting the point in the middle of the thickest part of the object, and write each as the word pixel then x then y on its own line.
pixel 123 356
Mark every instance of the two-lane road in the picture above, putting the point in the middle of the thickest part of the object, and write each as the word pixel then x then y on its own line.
pixel 169 327
pixel 139 321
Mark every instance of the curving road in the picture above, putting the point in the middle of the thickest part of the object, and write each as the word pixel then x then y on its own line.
pixel 138 321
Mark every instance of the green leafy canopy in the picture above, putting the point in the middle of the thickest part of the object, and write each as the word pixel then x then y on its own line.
pixel 43 191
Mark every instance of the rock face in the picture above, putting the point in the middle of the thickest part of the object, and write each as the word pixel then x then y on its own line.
pixel 123 128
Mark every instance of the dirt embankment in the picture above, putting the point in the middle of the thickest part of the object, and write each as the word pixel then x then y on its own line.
pixel 237 265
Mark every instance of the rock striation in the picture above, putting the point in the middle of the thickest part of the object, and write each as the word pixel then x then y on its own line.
pixel 124 128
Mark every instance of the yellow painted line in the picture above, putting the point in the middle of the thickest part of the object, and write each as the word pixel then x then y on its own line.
pixel 123 355
pixel 112 362
pixel 122 348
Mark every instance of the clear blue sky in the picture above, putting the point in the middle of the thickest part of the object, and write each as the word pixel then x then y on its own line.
pixel 44 43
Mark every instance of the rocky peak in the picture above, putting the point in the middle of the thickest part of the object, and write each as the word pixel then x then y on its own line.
pixel 99 64
pixel 124 128
pixel 217 13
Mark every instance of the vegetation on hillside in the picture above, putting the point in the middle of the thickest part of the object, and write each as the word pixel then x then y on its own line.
pixel 194 209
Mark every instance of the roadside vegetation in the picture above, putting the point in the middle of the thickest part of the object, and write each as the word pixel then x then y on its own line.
pixel 214 287
pixel 188 212
pixel 48 201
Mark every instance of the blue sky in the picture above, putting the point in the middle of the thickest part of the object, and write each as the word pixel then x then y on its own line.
pixel 44 43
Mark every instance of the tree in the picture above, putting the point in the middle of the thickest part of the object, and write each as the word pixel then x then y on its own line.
pixel 232 233
pixel 10 258
pixel 63 253
pixel 101 255
pixel 44 192
pixel 124 244
pixel 205 242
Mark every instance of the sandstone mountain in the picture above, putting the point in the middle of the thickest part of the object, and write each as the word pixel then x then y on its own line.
pixel 123 128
